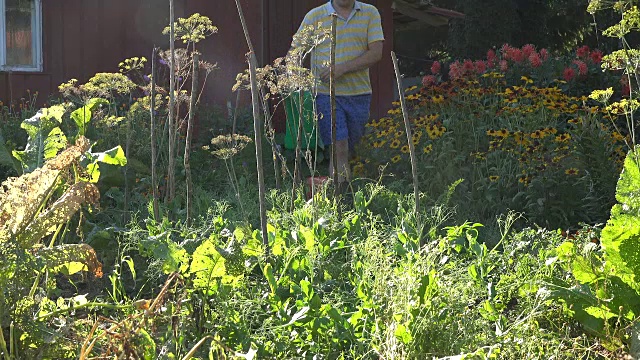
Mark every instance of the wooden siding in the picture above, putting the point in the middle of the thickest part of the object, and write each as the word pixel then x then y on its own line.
pixel 83 37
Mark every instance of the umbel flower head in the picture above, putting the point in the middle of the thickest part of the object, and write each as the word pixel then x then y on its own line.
pixel 227 146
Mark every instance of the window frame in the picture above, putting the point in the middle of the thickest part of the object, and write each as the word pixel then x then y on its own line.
pixel 36 41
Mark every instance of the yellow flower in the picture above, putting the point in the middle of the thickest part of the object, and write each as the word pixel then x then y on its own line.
pixel 438 99
pixel 563 137
pixel 494 178
pixel 396 158
pixel 395 144
pixel 405 149
pixel 427 149
pixel 571 171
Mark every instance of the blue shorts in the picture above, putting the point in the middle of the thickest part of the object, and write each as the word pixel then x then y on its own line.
pixel 352 114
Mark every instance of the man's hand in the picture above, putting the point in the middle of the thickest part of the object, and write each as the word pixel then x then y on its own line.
pixel 325 73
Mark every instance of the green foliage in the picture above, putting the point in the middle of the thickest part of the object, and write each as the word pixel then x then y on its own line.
pixel 45 138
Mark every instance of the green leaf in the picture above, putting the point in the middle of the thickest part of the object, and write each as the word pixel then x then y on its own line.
pixel 82 116
pixel 307 290
pixel 94 172
pixel 113 156
pixel 6 158
pixel 403 334
pixel 145 343
pixel 628 188
pixel 268 273
pixel 600 312
pixel 70 268
pixel 55 141
pixel 45 138
pixel 206 265
pixel 308 237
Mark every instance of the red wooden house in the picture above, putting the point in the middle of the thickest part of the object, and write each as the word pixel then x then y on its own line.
pixel 68 39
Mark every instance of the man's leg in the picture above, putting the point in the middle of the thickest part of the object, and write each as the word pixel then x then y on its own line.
pixel 357 112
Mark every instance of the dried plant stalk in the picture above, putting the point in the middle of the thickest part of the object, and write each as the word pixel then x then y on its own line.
pixel 187 146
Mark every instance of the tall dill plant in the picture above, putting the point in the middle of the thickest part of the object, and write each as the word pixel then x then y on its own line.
pixel 287 78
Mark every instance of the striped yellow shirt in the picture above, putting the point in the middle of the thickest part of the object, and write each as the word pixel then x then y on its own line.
pixel 354 34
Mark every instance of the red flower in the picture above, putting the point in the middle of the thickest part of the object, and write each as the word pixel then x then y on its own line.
pixel 517 55
pixel 468 67
pixel 583 51
pixel 504 66
pixel 544 54
pixel 455 71
pixel 582 67
pixel 535 60
pixel 480 66
pixel 528 50
pixel 491 56
pixel 596 56
pixel 569 74
pixel 428 80
pixel 435 68
pixel 506 50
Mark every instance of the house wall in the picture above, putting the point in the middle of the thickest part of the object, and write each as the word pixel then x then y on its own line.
pixel 83 37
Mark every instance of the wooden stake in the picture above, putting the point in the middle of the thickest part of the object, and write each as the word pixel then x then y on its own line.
pixel 412 151
pixel 152 104
pixel 332 94
pixel 172 103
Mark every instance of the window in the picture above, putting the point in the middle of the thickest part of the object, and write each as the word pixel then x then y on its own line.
pixel 20 35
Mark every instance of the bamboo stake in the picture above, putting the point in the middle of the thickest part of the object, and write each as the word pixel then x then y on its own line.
pixel 245 29
pixel 172 103
pixel 154 179
pixel 332 94
pixel 255 97
pixel 187 146
pixel 412 151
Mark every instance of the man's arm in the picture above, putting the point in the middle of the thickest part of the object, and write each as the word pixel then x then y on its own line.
pixel 364 61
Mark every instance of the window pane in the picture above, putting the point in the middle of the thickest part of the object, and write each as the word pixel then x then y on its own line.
pixel 19 33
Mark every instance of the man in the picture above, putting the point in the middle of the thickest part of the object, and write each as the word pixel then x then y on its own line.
pixel 359 40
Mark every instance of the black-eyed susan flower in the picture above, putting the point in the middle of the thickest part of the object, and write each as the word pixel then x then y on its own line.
pixel 405 149
pixel 395 144
pixel 427 149
pixel 571 171
pixel 494 178
pixel 395 159
pixel 503 133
